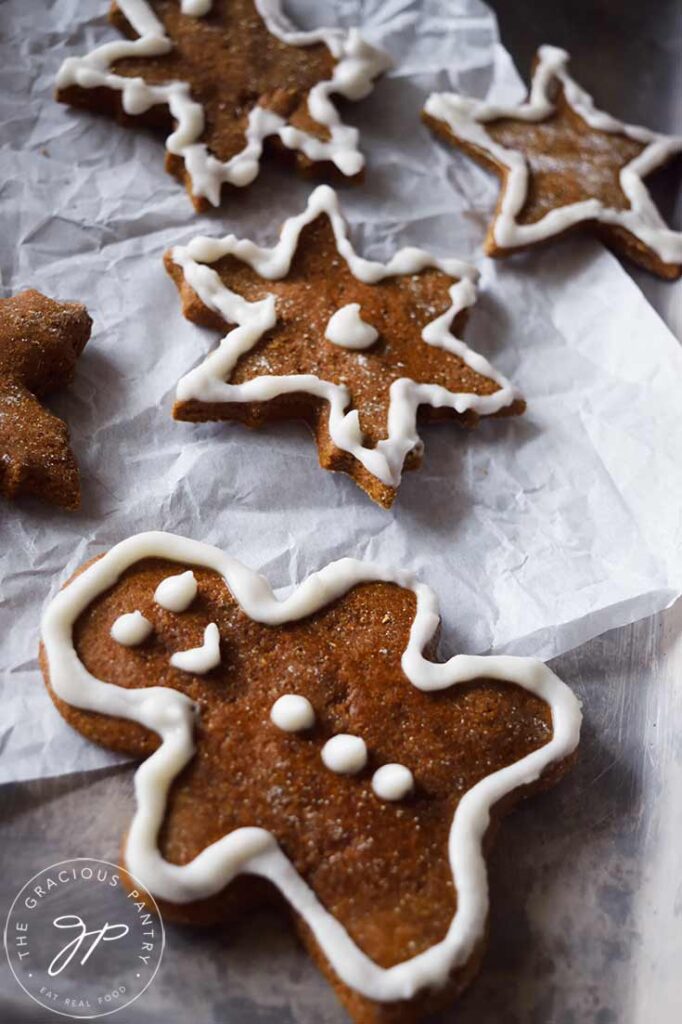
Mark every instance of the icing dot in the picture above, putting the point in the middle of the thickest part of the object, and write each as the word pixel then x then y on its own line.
pixel 195 8
pixel 345 754
pixel 292 713
pixel 131 629
pixel 176 593
pixel 347 328
pixel 392 782
pixel 200 659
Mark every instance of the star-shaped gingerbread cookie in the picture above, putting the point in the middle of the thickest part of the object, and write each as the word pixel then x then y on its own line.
pixel 352 346
pixel 310 745
pixel 564 165
pixel 40 341
pixel 222 79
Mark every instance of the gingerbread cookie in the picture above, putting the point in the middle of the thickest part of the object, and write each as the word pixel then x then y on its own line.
pixel 40 341
pixel 564 165
pixel 351 346
pixel 310 745
pixel 222 78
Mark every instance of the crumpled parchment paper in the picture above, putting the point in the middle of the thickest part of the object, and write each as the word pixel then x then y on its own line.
pixel 537 533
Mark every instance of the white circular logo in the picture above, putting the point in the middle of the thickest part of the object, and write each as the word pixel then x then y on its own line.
pixel 84 938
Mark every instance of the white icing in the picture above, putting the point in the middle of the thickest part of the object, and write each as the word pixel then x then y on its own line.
pixel 209 382
pixel 176 593
pixel 347 328
pixel 353 76
pixel 254 850
pixel 345 754
pixel 392 782
pixel 200 659
pixel 292 713
pixel 466 119
pixel 131 629
pixel 196 8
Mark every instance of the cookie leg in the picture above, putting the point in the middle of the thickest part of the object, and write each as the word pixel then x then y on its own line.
pixel 35 455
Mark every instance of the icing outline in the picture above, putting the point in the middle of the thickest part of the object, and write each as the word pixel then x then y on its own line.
pixel 358 64
pixel 209 382
pixel 171 715
pixel 466 118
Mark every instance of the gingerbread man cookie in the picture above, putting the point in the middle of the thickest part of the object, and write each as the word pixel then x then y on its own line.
pixel 564 165
pixel 40 341
pixel 222 78
pixel 352 346
pixel 310 745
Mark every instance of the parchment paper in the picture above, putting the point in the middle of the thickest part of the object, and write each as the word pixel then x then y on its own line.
pixel 537 533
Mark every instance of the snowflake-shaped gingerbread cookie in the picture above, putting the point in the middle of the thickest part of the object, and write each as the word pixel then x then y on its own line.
pixel 352 346
pixel 564 165
pixel 312 743
pixel 223 78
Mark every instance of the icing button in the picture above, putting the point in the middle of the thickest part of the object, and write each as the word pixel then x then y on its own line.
pixel 347 329
pixel 345 754
pixel 292 713
pixel 392 782
pixel 196 8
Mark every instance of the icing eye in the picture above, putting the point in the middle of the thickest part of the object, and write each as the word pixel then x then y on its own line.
pixel 292 713
pixel 347 329
pixel 345 754
pixel 176 593
pixel 199 660
pixel 392 782
pixel 131 629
